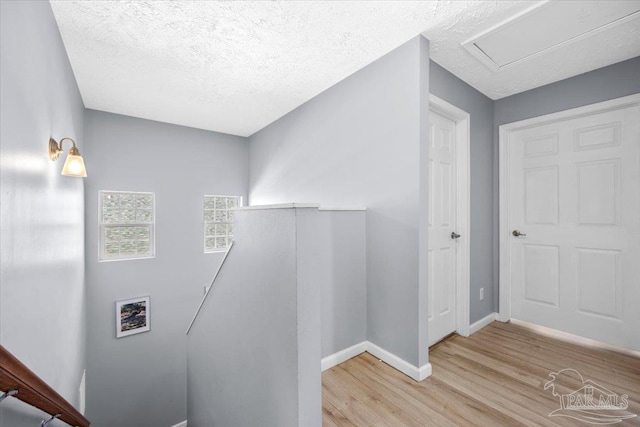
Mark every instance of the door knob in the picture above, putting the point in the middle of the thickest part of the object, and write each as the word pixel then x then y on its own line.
pixel 454 235
pixel 517 233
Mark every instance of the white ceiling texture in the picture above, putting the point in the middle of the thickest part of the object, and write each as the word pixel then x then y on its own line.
pixel 235 67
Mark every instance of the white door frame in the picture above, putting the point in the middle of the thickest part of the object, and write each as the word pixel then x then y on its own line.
pixel 503 182
pixel 463 171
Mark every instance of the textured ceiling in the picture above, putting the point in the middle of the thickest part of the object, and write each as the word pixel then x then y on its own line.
pixel 235 67
pixel 613 44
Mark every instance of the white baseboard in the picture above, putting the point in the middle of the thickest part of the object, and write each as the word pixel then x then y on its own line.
pixel 182 424
pixel 343 355
pixel 390 359
pixel 482 323
pixel 401 365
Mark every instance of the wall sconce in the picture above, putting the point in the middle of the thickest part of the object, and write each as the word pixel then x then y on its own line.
pixel 74 165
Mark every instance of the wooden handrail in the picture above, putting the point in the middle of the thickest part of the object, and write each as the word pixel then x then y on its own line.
pixel 14 375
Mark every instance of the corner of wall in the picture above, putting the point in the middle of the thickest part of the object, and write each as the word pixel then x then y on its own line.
pixel 423 216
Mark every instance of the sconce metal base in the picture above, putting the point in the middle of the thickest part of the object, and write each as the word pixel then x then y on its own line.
pixel 54 149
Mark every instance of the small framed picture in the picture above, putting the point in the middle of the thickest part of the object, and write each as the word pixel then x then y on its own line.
pixel 132 316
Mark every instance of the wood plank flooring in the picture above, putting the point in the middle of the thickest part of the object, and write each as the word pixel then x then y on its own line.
pixel 496 377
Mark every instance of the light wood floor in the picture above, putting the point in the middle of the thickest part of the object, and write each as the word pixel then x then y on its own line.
pixel 496 377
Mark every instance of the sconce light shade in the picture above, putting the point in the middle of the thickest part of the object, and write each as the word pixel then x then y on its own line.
pixel 74 164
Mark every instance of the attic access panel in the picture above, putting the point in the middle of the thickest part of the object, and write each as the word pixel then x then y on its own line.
pixel 545 27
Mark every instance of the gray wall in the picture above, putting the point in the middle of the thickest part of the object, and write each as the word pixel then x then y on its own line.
pixel 343 278
pixel 309 255
pixel 42 291
pixel 254 350
pixel 179 165
pixel 358 144
pixel 605 83
pixel 446 86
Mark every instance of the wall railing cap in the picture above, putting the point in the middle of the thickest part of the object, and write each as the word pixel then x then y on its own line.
pixel 339 208
pixel 279 206
pixel 299 206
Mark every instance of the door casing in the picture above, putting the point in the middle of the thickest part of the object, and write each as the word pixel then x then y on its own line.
pixel 504 314
pixel 462 120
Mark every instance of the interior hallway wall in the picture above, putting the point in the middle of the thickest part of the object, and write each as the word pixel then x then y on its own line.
pixel 343 275
pixel 360 144
pixel 42 285
pixel 265 370
pixel 450 88
pixel 599 85
pixel 180 165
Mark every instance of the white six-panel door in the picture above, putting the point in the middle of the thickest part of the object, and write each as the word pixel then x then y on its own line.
pixel 574 197
pixel 442 222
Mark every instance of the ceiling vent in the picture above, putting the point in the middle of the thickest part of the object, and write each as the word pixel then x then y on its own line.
pixel 547 26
